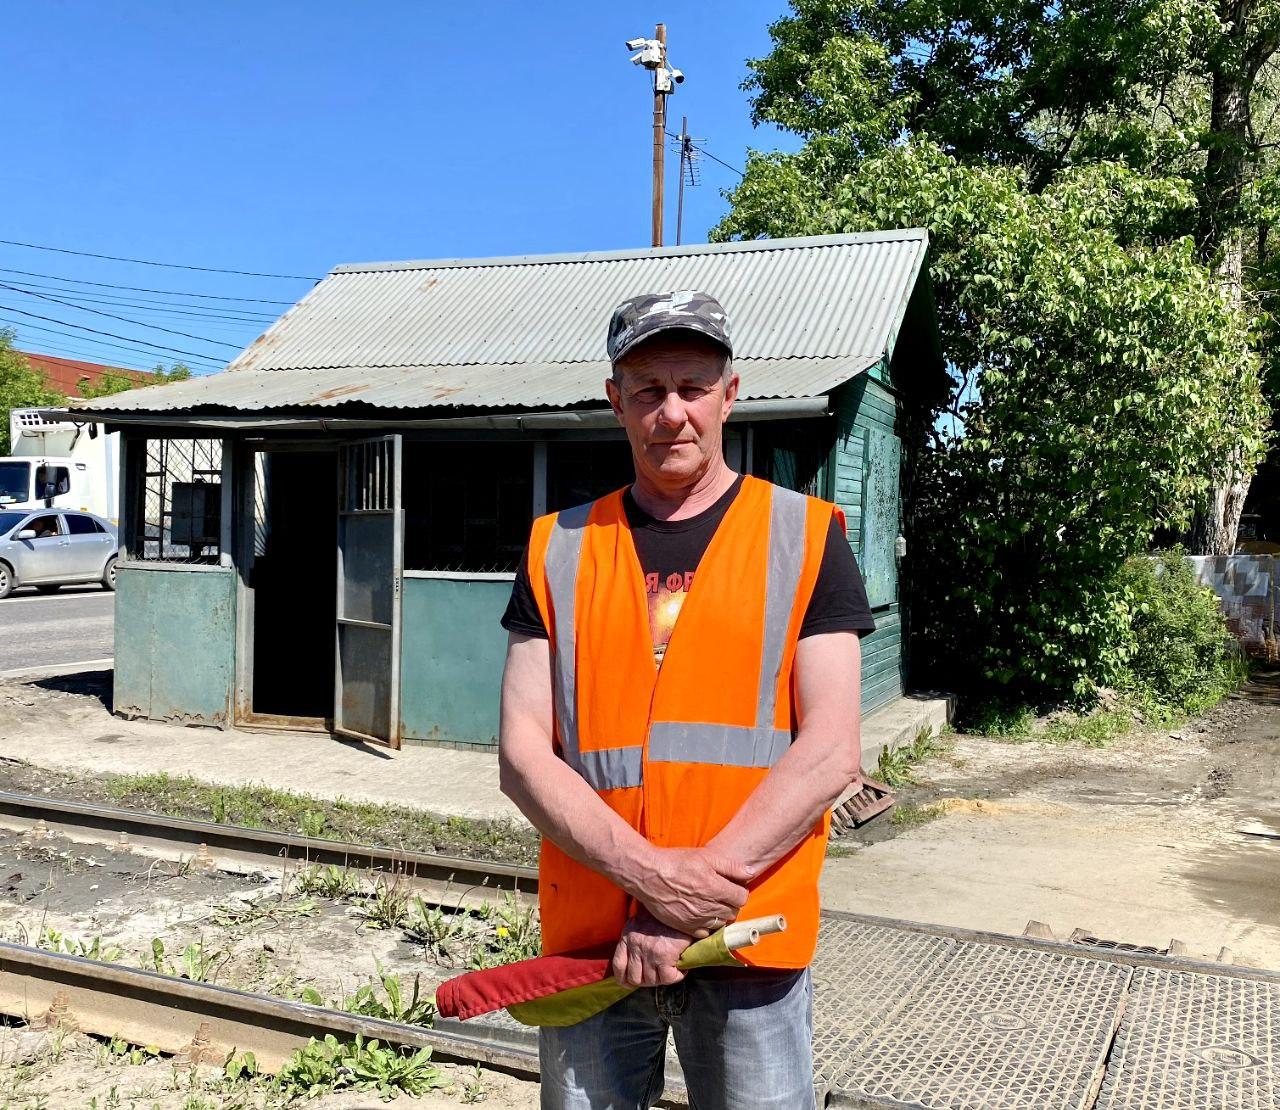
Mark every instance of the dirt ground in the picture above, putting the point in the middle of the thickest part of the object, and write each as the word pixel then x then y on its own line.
pixel 264 932
pixel 1138 841
pixel 39 1071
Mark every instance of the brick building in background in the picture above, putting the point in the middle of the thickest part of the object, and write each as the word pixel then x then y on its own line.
pixel 66 374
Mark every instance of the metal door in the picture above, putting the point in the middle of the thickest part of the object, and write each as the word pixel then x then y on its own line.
pixel 370 540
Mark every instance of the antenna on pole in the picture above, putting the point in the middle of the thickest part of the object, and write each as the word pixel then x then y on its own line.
pixel 689 173
pixel 652 55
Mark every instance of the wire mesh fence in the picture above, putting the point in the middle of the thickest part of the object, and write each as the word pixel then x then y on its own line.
pixel 180 511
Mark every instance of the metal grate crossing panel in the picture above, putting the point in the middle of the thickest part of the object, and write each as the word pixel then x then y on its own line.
pixel 1189 1042
pixel 913 1018
pixel 996 1028
pixel 861 974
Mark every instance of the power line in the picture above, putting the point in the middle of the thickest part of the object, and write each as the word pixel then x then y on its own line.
pixel 112 335
pixel 123 319
pixel 96 296
pixel 740 173
pixel 148 262
pixel 174 308
pixel 200 361
pixel 212 365
pixel 85 356
pixel 143 288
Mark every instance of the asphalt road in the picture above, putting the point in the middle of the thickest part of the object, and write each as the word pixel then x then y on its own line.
pixel 77 624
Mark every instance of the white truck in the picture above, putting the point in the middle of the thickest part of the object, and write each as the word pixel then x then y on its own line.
pixel 58 464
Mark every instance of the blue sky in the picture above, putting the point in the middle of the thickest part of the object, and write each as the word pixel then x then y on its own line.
pixel 287 137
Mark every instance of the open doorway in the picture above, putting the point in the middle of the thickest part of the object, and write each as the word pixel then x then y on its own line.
pixel 294 581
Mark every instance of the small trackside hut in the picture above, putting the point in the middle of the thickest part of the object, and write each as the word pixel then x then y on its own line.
pixel 323 536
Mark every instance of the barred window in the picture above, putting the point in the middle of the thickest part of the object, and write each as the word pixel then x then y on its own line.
pixel 178 517
pixel 467 506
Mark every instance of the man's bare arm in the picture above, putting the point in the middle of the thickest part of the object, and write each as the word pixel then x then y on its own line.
pixel 824 758
pixel 687 888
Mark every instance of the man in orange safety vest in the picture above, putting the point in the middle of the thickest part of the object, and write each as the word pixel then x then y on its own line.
pixel 679 713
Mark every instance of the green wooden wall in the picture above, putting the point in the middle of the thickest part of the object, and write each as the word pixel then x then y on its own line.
pixel 451 656
pixel 175 643
pixel 865 464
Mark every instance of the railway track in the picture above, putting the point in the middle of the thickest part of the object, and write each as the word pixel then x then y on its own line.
pixel 204 1023
pixel 199 1022
pixel 239 849
pixel 1039 1022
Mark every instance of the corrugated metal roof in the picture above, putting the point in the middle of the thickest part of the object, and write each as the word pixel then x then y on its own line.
pixel 529 331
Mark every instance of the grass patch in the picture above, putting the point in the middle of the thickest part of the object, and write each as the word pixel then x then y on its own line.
pixel 999 721
pixel 1115 715
pixel 263 807
pixel 1093 730
pixel 906 817
pixel 896 766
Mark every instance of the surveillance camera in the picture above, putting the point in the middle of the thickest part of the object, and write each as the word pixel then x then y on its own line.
pixel 663 77
pixel 635 44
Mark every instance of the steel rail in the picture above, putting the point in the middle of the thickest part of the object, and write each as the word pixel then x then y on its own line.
pixel 203 1022
pixel 235 847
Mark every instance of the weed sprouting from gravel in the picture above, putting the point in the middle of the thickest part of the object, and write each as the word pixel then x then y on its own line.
pixel 331 881
pixel 386 906
pixel 93 949
pixel 385 997
pixel 912 816
pixel 896 765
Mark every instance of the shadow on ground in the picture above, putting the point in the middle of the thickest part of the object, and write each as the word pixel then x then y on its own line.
pixel 89 684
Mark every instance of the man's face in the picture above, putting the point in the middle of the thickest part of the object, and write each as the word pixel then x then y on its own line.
pixel 672 397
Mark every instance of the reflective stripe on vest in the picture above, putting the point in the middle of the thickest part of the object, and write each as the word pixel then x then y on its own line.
pixel 564 553
pixel 679 741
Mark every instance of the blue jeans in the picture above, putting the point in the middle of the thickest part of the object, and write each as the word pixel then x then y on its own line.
pixel 745 1042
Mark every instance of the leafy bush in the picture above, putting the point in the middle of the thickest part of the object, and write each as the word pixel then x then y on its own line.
pixel 1180 653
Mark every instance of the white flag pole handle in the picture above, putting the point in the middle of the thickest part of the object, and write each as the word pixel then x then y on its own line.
pixel 744 934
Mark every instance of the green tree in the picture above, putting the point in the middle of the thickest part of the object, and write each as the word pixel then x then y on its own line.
pixel 1102 372
pixel 1180 90
pixel 20 387
pixel 117 381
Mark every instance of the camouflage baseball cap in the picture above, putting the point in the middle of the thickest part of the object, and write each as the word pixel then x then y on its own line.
pixel 643 317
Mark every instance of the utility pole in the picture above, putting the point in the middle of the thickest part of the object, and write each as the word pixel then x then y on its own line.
pixel 652 55
pixel 659 137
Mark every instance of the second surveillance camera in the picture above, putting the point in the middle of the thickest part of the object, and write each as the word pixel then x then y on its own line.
pixel 677 75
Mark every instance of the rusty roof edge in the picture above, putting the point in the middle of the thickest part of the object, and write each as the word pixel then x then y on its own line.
pixel 532 419
pixel 846 366
pixel 798 242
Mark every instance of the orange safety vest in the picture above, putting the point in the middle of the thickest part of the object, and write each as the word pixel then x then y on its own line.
pixel 677 750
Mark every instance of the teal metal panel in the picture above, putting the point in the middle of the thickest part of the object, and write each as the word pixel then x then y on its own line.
pixel 451 659
pixel 881 460
pixel 175 643
pixel 865 463
pixel 134 642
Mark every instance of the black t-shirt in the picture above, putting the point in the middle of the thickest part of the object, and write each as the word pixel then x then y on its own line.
pixel 670 551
